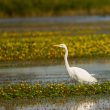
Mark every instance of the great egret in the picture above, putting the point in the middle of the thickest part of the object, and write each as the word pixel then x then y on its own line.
pixel 79 74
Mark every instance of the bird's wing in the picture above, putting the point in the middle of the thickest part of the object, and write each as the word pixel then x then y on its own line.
pixel 82 75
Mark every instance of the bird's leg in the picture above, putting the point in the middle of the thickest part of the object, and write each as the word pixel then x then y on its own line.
pixel 73 81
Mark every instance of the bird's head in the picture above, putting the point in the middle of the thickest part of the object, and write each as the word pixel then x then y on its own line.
pixel 61 46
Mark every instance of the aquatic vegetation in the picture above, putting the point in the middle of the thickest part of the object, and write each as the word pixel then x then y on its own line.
pixel 30 46
pixel 27 90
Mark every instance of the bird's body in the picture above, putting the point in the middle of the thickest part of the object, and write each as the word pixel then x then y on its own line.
pixel 77 73
pixel 81 75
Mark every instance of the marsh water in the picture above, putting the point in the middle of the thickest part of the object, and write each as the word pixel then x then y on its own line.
pixel 74 25
pixel 58 19
pixel 55 72
pixel 82 103
pixel 99 67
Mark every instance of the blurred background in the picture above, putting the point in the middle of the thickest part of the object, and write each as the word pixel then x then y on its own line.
pixel 30 28
pixel 34 8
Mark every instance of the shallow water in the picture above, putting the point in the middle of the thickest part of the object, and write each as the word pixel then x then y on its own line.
pixel 82 103
pixel 54 73
pixel 58 19
pixel 68 25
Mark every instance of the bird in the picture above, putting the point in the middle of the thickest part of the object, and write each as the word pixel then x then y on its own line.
pixel 80 75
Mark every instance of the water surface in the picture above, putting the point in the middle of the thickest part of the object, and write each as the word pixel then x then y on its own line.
pixel 54 73
pixel 58 19
pixel 78 103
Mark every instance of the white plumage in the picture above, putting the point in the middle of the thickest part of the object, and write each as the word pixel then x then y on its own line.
pixel 77 73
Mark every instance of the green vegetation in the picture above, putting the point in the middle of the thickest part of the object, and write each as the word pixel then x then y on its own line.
pixel 31 46
pixel 15 8
pixel 26 90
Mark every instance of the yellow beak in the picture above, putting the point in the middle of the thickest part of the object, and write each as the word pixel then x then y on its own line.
pixel 56 45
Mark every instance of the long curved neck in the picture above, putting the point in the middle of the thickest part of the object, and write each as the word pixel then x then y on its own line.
pixel 66 58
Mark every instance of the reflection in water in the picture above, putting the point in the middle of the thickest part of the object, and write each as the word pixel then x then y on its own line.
pixel 85 106
pixel 93 105
pixel 69 104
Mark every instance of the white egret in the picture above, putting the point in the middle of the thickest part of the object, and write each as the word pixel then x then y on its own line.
pixel 79 74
